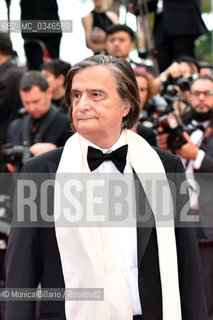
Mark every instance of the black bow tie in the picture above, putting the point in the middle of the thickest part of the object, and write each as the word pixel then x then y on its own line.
pixel 201 127
pixel 96 157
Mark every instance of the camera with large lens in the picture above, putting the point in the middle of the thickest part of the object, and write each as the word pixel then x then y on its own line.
pixel 156 107
pixel 160 114
pixel 171 92
pixel 158 104
pixel 184 83
pixel 16 155
pixel 173 125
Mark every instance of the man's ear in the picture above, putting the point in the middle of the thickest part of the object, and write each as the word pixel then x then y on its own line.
pixel 49 93
pixel 190 99
pixel 61 80
pixel 132 45
pixel 125 108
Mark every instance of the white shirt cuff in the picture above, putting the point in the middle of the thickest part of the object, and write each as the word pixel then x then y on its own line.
pixel 199 159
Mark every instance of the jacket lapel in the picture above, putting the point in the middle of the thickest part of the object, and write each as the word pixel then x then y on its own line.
pixel 145 220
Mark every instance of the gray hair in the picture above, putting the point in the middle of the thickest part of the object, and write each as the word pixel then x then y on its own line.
pixel 126 83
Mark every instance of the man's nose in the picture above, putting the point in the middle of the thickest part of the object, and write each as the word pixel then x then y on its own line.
pixel 116 43
pixel 84 103
pixel 29 107
pixel 201 96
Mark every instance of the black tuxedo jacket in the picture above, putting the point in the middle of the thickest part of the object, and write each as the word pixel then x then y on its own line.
pixel 33 256
pixel 57 131
pixel 147 133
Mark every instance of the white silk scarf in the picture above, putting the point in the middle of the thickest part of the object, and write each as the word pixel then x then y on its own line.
pixel 88 255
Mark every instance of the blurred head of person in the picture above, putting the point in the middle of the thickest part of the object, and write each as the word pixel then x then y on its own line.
pixel 201 98
pixel 6 48
pixel 146 87
pixel 120 41
pixel 100 4
pixel 56 72
pixel 188 66
pixel 35 94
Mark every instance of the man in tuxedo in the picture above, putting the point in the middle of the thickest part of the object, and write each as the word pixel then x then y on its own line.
pixel 147 270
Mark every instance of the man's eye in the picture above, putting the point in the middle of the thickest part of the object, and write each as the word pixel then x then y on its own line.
pixel 97 94
pixel 76 95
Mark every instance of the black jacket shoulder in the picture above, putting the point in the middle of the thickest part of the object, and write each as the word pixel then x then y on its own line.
pixel 44 162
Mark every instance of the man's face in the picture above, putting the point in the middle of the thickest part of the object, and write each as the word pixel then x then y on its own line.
pixel 187 70
pixel 201 98
pixel 36 102
pixel 119 44
pixel 97 108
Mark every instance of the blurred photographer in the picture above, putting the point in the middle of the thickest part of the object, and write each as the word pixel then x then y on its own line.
pixel 169 112
pixel 43 127
pixel 197 156
pixel 175 80
pixel 174 84
pixel 56 72
pixel 10 75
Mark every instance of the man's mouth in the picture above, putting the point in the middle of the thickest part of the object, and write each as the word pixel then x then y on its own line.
pixel 201 108
pixel 85 118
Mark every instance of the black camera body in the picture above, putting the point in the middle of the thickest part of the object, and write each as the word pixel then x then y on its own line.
pixel 171 92
pixel 172 124
pixel 16 155
pixel 155 108
pixel 160 114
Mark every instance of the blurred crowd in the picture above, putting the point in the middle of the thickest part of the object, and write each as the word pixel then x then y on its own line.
pixel 176 104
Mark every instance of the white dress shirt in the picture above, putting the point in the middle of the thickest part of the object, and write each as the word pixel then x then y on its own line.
pixel 125 238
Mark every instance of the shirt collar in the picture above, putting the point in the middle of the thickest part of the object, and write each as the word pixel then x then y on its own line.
pixel 6 64
pixel 204 123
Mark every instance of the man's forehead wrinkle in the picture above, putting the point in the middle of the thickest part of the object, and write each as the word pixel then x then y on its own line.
pixel 88 89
